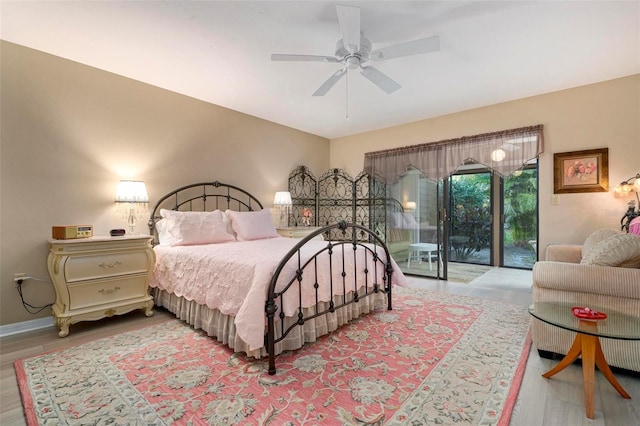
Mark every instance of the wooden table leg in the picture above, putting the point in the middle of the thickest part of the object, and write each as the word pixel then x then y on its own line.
pixel 572 355
pixel 601 362
pixel 589 371
pixel 589 347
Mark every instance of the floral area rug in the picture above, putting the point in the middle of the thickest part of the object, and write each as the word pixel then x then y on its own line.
pixel 435 358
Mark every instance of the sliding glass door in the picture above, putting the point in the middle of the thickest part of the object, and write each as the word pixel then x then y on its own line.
pixel 470 218
pixel 416 232
pixel 435 228
pixel 519 218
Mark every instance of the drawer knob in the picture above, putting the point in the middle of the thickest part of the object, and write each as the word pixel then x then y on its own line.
pixel 110 265
pixel 110 291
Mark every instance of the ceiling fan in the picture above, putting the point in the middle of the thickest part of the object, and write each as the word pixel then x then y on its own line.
pixel 354 52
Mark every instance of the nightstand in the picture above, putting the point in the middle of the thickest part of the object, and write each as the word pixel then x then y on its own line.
pixel 299 231
pixel 100 277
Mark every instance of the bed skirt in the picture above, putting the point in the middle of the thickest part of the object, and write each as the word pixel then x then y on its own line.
pixel 222 327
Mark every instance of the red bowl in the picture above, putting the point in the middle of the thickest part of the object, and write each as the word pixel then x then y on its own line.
pixel 587 313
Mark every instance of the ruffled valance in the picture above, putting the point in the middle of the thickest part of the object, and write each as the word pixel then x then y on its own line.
pixel 504 152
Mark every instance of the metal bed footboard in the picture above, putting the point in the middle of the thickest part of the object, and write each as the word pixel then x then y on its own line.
pixel 375 251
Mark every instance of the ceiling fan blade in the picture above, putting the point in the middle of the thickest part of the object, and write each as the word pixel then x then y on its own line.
pixel 302 58
pixel 349 18
pixel 327 85
pixel 415 47
pixel 379 79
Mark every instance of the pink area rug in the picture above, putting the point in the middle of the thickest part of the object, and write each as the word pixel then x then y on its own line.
pixel 435 359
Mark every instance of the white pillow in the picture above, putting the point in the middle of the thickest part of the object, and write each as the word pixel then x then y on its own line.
pixel 409 221
pixel 252 225
pixel 191 228
pixel 227 223
pixel 396 220
pixel 164 237
pixel 621 250
pixel 595 238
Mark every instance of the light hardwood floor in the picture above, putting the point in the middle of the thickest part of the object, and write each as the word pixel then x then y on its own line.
pixel 541 402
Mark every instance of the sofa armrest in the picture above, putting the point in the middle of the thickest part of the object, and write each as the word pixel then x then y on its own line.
pixel 571 253
pixel 621 283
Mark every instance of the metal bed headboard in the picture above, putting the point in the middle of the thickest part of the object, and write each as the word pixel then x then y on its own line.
pixel 201 197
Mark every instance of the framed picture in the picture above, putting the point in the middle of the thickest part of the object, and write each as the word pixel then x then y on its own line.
pixel 581 171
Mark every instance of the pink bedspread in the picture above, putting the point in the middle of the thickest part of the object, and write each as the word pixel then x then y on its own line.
pixel 234 278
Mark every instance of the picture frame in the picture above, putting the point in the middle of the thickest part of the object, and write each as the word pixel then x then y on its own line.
pixel 581 171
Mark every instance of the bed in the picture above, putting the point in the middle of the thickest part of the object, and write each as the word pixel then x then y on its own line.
pixel 222 267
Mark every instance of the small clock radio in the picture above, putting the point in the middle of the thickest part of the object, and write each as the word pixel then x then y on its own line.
pixel 69 232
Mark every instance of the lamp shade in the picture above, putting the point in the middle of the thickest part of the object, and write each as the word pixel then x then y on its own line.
pixel 132 191
pixel 410 205
pixel 282 198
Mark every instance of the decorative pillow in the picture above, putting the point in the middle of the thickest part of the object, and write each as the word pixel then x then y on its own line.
pixel 250 226
pixel 621 250
pixel 595 238
pixel 396 220
pixel 409 221
pixel 227 223
pixel 634 226
pixel 164 237
pixel 191 228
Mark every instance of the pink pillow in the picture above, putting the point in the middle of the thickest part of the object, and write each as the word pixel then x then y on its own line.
pixel 252 225
pixel 634 226
pixel 192 228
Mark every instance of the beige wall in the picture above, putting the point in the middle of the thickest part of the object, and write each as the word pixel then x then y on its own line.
pixel 600 115
pixel 71 132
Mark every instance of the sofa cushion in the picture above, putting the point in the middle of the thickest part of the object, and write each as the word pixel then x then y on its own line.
pixel 620 249
pixel 595 238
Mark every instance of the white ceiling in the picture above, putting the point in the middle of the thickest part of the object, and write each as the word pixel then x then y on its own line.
pixel 219 52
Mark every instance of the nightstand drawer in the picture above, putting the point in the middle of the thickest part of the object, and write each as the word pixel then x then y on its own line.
pixel 84 295
pixel 81 268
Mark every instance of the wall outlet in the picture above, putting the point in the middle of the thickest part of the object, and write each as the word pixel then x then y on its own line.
pixel 19 276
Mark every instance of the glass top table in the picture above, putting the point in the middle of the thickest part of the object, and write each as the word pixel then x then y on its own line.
pixel 587 341
pixel 616 326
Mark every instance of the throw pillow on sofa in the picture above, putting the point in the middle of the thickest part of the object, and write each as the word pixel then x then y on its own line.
pixel 595 238
pixel 622 250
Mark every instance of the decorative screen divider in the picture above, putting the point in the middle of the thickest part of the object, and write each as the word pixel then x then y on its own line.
pixel 303 188
pixel 336 196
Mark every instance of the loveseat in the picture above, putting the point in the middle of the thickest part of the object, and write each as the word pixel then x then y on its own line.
pixel 603 272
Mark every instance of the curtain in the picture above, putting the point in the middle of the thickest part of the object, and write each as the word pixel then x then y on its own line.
pixel 504 152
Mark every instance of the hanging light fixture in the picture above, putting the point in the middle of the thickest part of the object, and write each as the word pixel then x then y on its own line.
pixel 498 154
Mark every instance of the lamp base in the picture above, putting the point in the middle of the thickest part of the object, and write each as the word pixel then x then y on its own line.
pixel 132 219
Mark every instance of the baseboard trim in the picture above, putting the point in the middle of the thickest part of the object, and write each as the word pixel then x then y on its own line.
pixel 25 326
